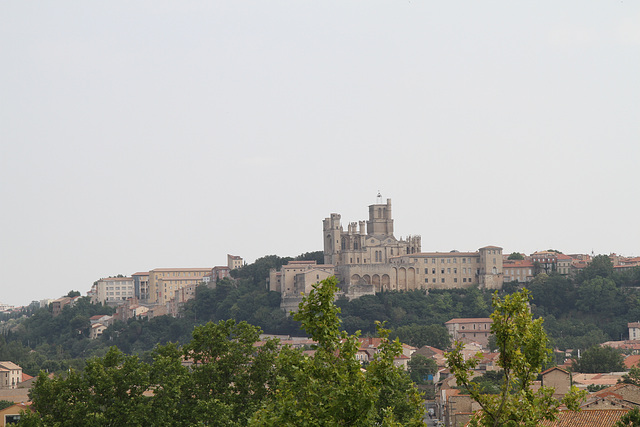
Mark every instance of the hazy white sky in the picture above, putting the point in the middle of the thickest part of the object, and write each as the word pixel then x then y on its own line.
pixel 138 135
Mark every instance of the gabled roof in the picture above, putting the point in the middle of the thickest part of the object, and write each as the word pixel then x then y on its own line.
pixel 555 368
pixel 9 365
pixel 631 360
pixel 587 418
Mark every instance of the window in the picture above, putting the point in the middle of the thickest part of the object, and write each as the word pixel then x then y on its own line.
pixel 426 271
pixel 442 271
pixel 433 261
pixel 464 260
pixel 442 261
pixel 455 280
pixel 455 260
pixel 464 280
pixel 433 271
pixel 448 271
pixel 434 280
pixel 426 280
pixel 455 271
pixel 448 260
pixel 442 280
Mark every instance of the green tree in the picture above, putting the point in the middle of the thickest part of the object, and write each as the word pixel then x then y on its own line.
pixel 522 343
pixel 600 265
pixel 516 256
pixel 632 377
pixel 420 367
pixel 421 335
pixel 109 392
pixel 599 359
pixel 630 419
pixel 330 388
pixel 73 294
pixel 5 404
pixel 230 377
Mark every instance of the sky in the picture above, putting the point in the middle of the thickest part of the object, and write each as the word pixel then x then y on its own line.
pixel 144 134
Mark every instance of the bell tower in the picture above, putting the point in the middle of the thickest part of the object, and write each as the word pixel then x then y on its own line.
pixel 380 221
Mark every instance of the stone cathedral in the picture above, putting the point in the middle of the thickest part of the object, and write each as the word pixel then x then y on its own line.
pixel 367 258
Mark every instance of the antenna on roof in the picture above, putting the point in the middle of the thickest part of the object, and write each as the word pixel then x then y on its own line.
pixel 379 198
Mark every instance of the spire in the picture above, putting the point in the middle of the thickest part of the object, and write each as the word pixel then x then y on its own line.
pixel 379 198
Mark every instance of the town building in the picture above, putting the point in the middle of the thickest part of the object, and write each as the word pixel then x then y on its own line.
pixel 470 330
pixel 164 282
pixel 296 279
pixel 141 285
pixel 234 262
pixel 11 415
pixel 112 290
pixel 374 260
pixel 520 271
pixel 59 304
pixel 634 330
pixel 10 375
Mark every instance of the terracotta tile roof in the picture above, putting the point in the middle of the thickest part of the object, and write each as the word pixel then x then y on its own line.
pixel 141 273
pixel 631 360
pixel 26 377
pixel 555 367
pixel 587 418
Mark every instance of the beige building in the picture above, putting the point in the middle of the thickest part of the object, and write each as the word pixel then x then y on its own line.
pixel 234 262
pixel 10 375
pixel 112 290
pixel 520 271
pixel 470 330
pixel 356 246
pixel 296 279
pixel 374 260
pixel 164 282
pixel 634 331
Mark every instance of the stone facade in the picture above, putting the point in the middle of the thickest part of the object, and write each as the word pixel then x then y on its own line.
pixel 165 282
pixel 470 330
pixel 375 258
pixel 295 280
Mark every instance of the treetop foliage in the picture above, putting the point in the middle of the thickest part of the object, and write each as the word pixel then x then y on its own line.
pixel 231 382
pixel 522 345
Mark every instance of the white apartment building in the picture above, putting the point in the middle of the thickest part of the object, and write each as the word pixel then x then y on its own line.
pixel 112 290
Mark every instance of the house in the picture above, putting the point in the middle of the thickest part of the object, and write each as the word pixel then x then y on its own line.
pixel 11 414
pixel 582 381
pixel 96 330
pixel 59 304
pixel 10 375
pixel 586 418
pixel 631 361
pixel 520 271
pixel 105 319
pixel 470 330
pixel 629 393
pixel 559 379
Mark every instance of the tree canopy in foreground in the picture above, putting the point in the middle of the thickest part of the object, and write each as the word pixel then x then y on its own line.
pixel 223 378
pixel 522 343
